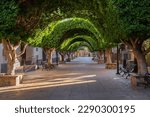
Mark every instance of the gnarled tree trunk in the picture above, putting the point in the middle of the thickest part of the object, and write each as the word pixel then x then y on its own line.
pixel 108 56
pixel 136 46
pixel 72 55
pixel 11 55
pixel 142 67
pixel 62 54
pixel 62 58
pixel 69 56
pixel 23 57
pixel 99 55
pixel 49 52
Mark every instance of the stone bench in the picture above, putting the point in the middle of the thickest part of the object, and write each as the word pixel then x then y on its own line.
pixel 111 66
pixel 136 80
pixel 9 80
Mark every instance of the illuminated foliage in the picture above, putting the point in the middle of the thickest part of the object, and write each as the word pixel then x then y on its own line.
pixel 92 44
pixel 51 36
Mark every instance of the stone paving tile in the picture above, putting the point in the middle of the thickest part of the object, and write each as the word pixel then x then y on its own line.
pixel 80 79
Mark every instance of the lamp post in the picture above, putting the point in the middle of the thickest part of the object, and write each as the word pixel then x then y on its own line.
pixel 117 59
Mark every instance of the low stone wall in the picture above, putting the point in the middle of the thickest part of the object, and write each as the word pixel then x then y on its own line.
pixel 8 80
pixel 111 66
pixel 133 82
pixel 136 80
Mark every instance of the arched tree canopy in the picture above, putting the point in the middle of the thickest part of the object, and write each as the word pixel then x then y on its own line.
pixel 54 37
pixel 36 39
pixel 76 32
pixel 77 45
pixel 80 38
pixel 56 32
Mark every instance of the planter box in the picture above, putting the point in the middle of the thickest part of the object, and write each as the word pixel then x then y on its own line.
pixel 9 80
pixel 133 82
pixel 111 66
pixel 136 80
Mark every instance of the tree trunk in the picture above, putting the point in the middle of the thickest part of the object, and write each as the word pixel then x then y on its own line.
pixel 23 60
pixel 99 55
pixel 49 55
pixel 108 56
pixel 72 56
pixel 11 67
pixel 11 55
pixel 136 46
pixel 141 61
pixel 69 57
pixel 49 58
pixel 136 67
pixel 104 56
pixel 62 58
pixel 62 54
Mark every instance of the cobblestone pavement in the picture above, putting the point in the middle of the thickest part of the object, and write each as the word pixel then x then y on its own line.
pixel 81 80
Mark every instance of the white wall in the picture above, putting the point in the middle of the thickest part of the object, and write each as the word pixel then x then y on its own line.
pixel 37 54
pixel 2 58
pixel 33 54
pixel 29 53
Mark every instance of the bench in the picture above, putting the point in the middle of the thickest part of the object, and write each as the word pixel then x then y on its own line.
pixel 126 71
pixel 140 80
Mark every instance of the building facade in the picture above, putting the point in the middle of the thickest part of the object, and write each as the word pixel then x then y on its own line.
pixel 33 55
pixel 3 65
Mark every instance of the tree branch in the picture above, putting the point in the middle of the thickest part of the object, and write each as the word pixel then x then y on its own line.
pixel 133 43
pixel 17 45
pixel 9 45
pixel 23 51
pixel 127 43
pixel 136 40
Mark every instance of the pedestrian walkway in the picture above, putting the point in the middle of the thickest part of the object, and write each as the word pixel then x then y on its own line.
pixel 87 60
pixel 84 80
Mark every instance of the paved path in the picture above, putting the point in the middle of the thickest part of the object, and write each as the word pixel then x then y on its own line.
pixel 83 80
pixel 86 60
